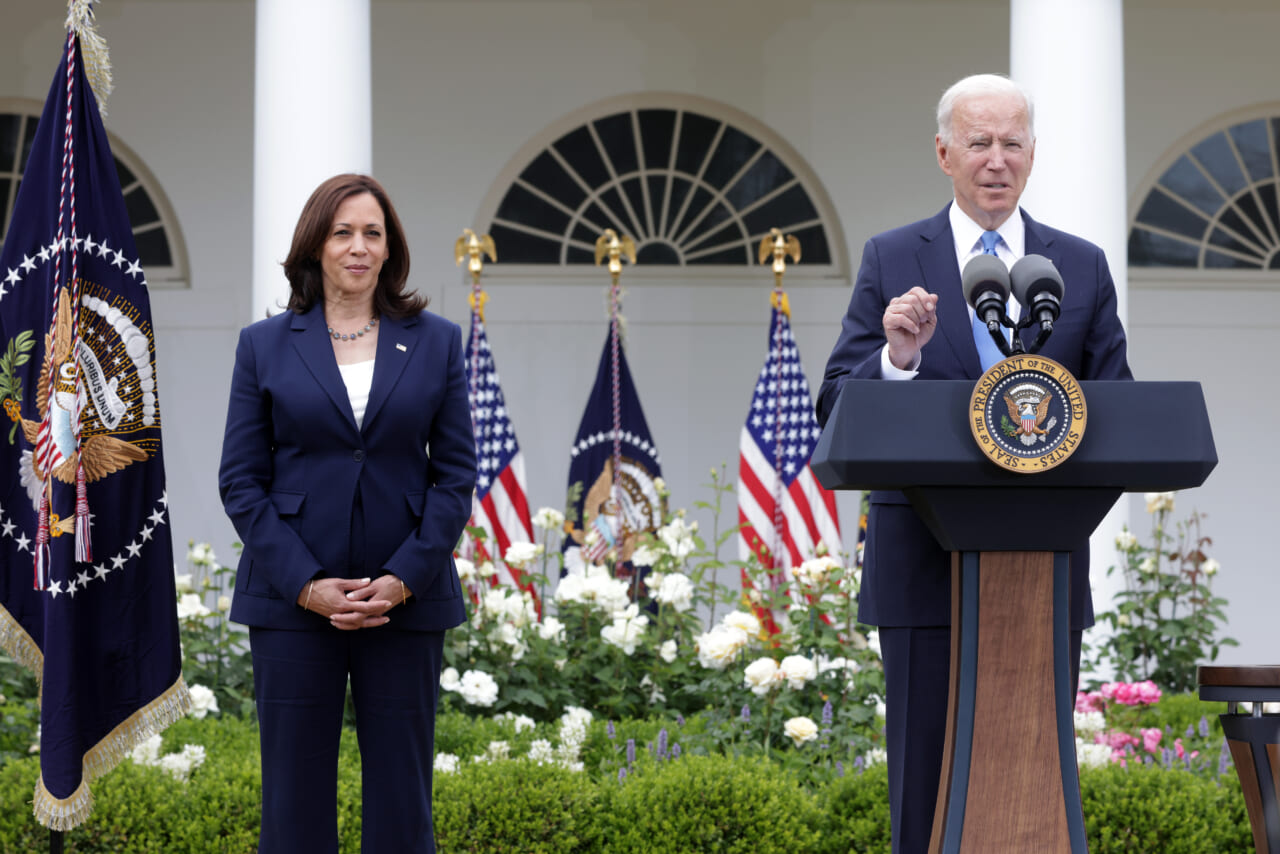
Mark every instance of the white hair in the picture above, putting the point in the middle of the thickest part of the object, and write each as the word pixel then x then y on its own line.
pixel 978 85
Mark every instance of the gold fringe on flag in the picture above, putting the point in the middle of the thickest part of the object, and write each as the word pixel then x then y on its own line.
pixel 93 50
pixel 19 645
pixel 67 813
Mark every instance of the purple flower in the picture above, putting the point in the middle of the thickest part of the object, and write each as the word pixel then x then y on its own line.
pixel 1224 758
pixel 679 720
pixel 631 751
pixel 826 714
pixel 622 774
pixel 1166 757
pixel 610 730
pixel 662 744
pixel 1204 727
pixel 1191 732
pixel 839 768
pixel 675 751
pixel 746 714
pixel 859 764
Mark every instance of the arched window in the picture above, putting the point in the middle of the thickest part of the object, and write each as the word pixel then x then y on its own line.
pixel 161 250
pixel 695 183
pixel 1214 204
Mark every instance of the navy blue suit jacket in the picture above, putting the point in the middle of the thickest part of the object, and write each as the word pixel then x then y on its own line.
pixel 906 576
pixel 294 464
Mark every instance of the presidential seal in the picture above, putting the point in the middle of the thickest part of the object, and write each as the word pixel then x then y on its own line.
pixel 1027 414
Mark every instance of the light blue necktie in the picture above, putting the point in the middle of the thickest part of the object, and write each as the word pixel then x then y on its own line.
pixel 988 352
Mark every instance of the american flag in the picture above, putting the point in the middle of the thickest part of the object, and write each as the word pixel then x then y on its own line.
pixel 500 507
pixel 783 510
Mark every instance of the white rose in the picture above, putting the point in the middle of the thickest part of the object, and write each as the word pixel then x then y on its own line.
pixel 743 621
pixel 466 573
pixel 486 570
pixel 798 670
pixel 224 603
pixel 514 638
pixel 800 730
pixel 1092 755
pixel 1157 501
pixel 815 572
pixel 1125 541
pixel 445 763
pixel 449 680
pixel 147 751
pixel 191 605
pixel 676 590
pixel 678 538
pixel 182 582
pixel 548 519
pixel 667 652
pixel 719 646
pixel 551 629
pixel 478 688
pixel 1210 567
pixel 761 676
pixel 875 756
pixel 540 751
pixel 519 554
pixel 873 642
pixel 203 701
pixel 201 554
pixel 1088 723
pixel 627 629
pixel 646 555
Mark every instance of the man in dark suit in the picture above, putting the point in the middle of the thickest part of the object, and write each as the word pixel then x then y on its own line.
pixel 908 318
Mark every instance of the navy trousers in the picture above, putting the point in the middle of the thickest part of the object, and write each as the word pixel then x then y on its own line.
pixel 917 670
pixel 300 681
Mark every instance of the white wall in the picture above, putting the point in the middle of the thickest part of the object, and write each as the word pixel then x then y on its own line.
pixel 460 85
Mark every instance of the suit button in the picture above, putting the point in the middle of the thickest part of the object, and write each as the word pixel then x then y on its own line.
pixel 358 456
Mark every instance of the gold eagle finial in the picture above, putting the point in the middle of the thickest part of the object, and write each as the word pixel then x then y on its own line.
pixel 473 247
pixel 777 246
pixel 615 247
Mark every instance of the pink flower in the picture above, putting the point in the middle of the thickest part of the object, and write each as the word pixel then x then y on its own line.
pixel 1089 702
pixel 1151 740
pixel 1132 694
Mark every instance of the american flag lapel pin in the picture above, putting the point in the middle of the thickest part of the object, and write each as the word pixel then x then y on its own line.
pixel 402 348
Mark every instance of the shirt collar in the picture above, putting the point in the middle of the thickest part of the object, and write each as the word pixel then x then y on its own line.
pixel 966 233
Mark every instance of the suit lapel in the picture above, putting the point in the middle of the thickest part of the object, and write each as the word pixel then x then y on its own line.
pixel 396 340
pixel 1038 241
pixel 311 341
pixel 937 258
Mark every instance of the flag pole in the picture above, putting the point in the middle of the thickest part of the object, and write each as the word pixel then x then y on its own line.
pixel 774 249
pixel 615 247
pixel 473 248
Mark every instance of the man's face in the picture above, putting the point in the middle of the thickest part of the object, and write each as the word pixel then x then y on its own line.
pixel 988 157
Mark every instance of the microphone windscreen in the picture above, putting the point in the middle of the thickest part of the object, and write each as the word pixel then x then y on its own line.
pixel 1033 275
pixel 984 273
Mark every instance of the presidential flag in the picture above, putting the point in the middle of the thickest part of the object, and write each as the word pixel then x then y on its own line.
pixel 783 511
pixel 501 507
pixel 608 512
pixel 88 600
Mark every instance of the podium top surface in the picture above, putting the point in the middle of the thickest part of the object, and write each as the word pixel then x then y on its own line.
pixel 1140 437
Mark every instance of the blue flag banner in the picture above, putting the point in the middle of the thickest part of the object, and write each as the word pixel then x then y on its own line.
pixel 88 595
pixel 605 518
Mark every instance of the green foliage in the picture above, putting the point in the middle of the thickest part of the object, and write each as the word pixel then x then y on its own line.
pixel 515 806
pixel 215 652
pixel 857 809
pixel 16 354
pixel 1166 619
pixel 709 804
pixel 1148 809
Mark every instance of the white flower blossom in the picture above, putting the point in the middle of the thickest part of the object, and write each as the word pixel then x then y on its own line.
pixel 743 621
pixel 720 646
pixel 848 667
pixel 466 574
pixel 678 538
pixel 1210 567
pixel 646 555
pixel 201 554
pixel 548 519
pixel 445 763
pixel 667 652
pixel 511 636
pixel 594 587
pixel 627 629
pixel 478 688
pixel 224 603
pixel 815 573
pixel 147 751
pixel 449 680
pixel 519 554
pixel 875 756
pixel 1125 540
pixel 1089 755
pixel 873 642
pixel 798 670
pixel 486 570
pixel 191 606
pixel 182 582
pixel 656 694
pixel 203 701
pixel 180 765
pixel 676 590
pixel 762 676
pixel 540 751
pixel 1088 723
pixel 1157 501
pixel 551 629
pixel 1147 565
pixel 800 730
pixel 498 750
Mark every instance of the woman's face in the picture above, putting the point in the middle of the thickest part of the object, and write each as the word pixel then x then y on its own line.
pixel 354 251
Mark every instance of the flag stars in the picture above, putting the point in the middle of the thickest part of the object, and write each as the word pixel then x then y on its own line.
pixel 28 264
pixel 145 533
pixel 117 562
pixel 9 528
pixel 55 588
pixel 157 518
pixel 24 543
pixel 135 269
pixel 134 548
pixel 83 578
pixel 118 261
pixel 100 571
pixel 13 278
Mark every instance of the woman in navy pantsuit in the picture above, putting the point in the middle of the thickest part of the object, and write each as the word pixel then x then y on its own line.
pixel 347 469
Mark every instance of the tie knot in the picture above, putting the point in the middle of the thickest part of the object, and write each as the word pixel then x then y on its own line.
pixel 989 241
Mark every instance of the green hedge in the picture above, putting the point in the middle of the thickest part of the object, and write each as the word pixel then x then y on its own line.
pixel 694 803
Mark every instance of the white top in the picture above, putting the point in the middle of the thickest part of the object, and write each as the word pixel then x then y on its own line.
pixel 358 378
pixel 967 235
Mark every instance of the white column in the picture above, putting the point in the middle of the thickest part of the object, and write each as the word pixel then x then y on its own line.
pixel 1070 56
pixel 312 118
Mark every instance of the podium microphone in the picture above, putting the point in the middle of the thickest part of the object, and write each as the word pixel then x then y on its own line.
pixel 986 287
pixel 1037 285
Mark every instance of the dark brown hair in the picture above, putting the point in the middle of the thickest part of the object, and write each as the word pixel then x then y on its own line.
pixel 302 267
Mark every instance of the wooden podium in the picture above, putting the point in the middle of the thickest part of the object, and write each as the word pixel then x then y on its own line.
pixel 1009 779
